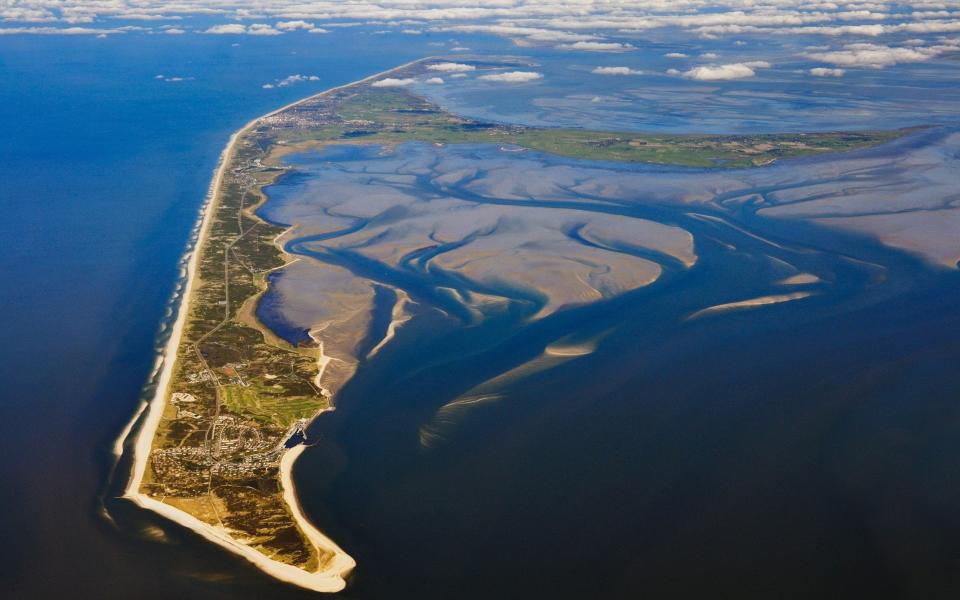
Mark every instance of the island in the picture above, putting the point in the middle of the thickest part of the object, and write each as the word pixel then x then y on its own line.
pixel 215 446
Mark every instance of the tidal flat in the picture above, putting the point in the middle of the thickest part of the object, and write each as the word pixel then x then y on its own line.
pixel 749 272
pixel 473 229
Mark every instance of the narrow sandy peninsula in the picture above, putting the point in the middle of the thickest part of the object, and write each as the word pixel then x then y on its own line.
pixel 211 453
pixel 213 449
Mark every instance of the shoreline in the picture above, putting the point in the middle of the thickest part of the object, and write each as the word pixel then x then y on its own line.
pixel 328 578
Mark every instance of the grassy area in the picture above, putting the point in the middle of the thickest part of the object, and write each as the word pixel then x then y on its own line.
pixel 270 403
pixel 217 356
pixel 378 115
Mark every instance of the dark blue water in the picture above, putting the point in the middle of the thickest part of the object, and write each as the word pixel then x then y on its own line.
pixel 784 457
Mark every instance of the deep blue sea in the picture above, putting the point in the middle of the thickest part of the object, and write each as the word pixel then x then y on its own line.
pixel 107 147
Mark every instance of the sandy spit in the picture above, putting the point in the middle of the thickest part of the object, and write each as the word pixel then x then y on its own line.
pixel 331 576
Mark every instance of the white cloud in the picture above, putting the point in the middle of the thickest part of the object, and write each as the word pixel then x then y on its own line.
pixel 174 31
pixel 597 46
pixel 238 29
pixel 616 71
pixel 26 15
pixel 709 55
pixel 556 14
pixel 294 79
pixel 295 25
pixel 172 78
pixel 233 28
pixel 577 24
pixel 723 72
pixel 58 31
pixel 268 86
pixel 435 81
pixel 528 35
pixel 825 72
pixel 675 55
pixel 451 67
pixel 392 82
pixel 875 56
pixel 262 29
pixel 134 16
pixel 512 76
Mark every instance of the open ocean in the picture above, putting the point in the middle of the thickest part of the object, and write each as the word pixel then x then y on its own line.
pixel 780 457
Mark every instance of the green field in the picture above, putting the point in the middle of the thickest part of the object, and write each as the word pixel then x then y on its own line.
pixel 267 403
pixel 390 116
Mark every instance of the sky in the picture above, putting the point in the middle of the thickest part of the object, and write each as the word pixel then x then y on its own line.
pixel 838 35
